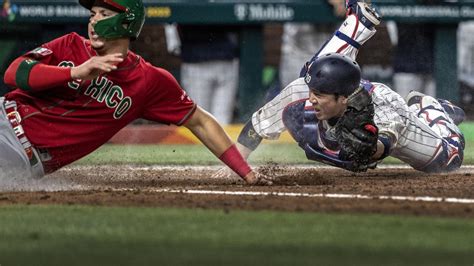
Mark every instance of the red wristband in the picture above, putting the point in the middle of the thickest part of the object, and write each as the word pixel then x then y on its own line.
pixel 232 158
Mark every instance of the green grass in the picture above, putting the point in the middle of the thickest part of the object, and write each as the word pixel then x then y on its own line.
pixel 78 235
pixel 198 154
pixel 186 154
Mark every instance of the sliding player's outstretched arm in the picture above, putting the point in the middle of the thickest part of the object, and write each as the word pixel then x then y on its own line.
pixel 267 122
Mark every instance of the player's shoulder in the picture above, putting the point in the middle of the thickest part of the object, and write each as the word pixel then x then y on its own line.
pixel 67 40
pixel 383 94
pixel 150 69
pixel 381 88
pixel 297 85
pixel 156 76
pixel 298 82
pixel 75 36
pixel 72 37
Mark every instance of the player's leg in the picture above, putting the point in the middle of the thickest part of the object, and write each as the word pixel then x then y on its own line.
pixel 357 28
pixel 14 162
pixel 432 113
pixel 454 112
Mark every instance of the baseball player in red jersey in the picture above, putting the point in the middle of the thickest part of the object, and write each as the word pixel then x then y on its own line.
pixel 71 95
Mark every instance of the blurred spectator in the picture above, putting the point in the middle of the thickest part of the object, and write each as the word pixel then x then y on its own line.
pixel 301 40
pixel 414 59
pixel 466 58
pixel 414 55
pixel 299 43
pixel 209 67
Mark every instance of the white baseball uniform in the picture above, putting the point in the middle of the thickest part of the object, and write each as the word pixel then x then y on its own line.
pixel 422 135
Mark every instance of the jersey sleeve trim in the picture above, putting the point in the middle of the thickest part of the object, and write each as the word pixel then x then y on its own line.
pixel 187 116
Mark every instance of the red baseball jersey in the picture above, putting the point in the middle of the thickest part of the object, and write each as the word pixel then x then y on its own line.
pixel 72 120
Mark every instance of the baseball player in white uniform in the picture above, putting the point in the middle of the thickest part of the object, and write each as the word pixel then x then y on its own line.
pixel 420 130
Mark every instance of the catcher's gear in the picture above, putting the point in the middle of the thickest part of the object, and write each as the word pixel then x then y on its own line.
pixel 318 154
pixel 318 143
pixel 356 131
pixel 128 23
pixel 333 73
pixel 454 112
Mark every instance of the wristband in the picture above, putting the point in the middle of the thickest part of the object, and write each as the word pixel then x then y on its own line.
pixel 31 75
pixel 232 158
pixel 387 145
pixel 249 137
pixel 23 73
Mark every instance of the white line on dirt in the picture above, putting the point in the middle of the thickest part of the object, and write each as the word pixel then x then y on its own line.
pixel 464 168
pixel 309 195
pixel 468 169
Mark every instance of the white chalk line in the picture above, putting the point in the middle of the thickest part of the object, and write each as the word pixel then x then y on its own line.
pixel 307 195
pixel 464 169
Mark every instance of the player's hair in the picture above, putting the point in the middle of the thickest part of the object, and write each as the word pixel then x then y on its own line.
pixel 333 73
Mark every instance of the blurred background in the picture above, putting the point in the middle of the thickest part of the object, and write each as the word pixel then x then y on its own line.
pixel 233 55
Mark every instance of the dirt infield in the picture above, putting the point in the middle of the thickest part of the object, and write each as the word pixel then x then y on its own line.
pixel 297 188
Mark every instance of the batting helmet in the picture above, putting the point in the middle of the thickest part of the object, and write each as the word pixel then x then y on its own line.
pixel 333 74
pixel 128 23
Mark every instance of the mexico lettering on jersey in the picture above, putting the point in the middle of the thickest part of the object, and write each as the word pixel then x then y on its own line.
pixel 72 120
pixel 103 90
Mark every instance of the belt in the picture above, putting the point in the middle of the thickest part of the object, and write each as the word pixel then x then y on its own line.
pixel 15 121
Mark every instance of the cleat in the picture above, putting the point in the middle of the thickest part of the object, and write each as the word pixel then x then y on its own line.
pixel 454 112
pixel 367 15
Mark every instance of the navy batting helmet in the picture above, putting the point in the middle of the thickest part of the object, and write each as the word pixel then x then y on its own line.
pixel 333 74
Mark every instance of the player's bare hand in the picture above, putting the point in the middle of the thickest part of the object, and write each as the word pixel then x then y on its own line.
pixel 96 66
pixel 257 179
pixel 225 173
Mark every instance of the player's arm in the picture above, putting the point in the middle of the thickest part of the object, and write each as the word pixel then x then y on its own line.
pixel 384 146
pixel 320 154
pixel 267 122
pixel 29 73
pixel 205 127
pixel 248 140
pixel 37 70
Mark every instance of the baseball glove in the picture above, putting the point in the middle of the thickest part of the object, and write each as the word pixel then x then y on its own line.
pixel 356 131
